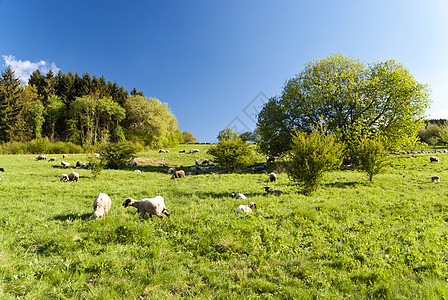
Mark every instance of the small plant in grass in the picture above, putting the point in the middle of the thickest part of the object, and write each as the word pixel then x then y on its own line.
pixel 98 165
pixel 118 155
pixel 371 156
pixel 312 155
pixel 232 152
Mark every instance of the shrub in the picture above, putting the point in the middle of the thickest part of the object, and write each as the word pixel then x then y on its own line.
pixel 233 154
pixel 371 156
pixel 118 155
pixel 312 155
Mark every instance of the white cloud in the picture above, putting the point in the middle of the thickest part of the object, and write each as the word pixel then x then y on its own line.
pixel 23 69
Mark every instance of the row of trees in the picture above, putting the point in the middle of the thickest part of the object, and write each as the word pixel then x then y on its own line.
pixel 85 110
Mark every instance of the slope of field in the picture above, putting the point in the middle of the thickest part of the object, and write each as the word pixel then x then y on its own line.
pixel 350 240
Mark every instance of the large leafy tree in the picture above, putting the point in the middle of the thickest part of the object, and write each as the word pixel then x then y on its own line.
pixel 151 122
pixel 351 99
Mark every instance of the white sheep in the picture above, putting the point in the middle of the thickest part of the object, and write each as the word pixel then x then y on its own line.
pixel 246 208
pixel 194 151
pixel 73 176
pixel 162 151
pixel 434 159
pixel 272 177
pixel 237 196
pixel 63 177
pixel 138 171
pixel 171 170
pixel 178 174
pixel 182 151
pixel 205 162
pixel 41 157
pixel 78 164
pixel 52 159
pixel 64 156
pixel 435 178
pixel 152 206
pixel 101 206
pixel 65 165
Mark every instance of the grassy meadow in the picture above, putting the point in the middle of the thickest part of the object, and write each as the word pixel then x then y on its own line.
pixel 350 240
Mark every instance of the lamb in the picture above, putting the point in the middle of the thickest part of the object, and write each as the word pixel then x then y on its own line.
pixel 64 156
pixel 194 151
pixel 246 208
pixel 65 165
pixel 435 179
pixel 276 192
pixel 101 205
pixel 434 159
pixel 73 176
pixel 63 177
pixel 52 159
pixel 41 157
pixel 237 196
pixel 178 174
pixel 272 177
pixel 152 206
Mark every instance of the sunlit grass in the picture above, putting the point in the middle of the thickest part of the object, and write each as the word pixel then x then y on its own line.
pixel 351 239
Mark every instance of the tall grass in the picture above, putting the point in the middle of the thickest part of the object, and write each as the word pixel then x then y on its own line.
pixel 350 240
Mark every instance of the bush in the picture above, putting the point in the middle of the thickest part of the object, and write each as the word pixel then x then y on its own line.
pixel 371 156
pixel 312 155
pixel 233 154
pixel 118 155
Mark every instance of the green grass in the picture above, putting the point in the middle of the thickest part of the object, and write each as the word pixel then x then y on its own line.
pixel 350 240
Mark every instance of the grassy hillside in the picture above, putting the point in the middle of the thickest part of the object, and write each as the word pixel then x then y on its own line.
pixel 351 239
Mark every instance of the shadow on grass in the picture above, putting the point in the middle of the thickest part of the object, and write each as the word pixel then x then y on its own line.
pixel 73 216
pixel 351 184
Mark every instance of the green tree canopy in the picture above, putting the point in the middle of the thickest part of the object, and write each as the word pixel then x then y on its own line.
pixel 351 99
pixel 188 137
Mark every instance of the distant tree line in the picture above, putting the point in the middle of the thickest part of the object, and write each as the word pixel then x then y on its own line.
pixel 85 110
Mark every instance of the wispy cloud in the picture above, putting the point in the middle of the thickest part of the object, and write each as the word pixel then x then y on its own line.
pixel 23 69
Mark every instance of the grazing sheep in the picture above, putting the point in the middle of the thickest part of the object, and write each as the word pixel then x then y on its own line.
pixel 276 192
pixel 196 162
pixel 182 151
pixel 134 164
pixel 246 208
pixel 434 159
pixel 101 206
pixel 171 170
pixel 64 156
pixel 162 151
pixel 63 177
pixel 194 151
pixel 272 177
pixel 205 162
pixel 96 155
pixel 52 159
pixel 65 165
pixel 138 171
pixel 2 170
pixel 73 176
pixel 78 165
pixel 178 174
pixel 237 196
pixel 435 178
pixel 41 157
pixel 152 206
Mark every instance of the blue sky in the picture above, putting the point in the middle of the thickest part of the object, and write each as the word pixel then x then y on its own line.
pixel 216 62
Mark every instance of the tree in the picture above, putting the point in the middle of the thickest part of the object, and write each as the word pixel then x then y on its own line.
pixel 55 110
pixel 227 134
pixel 248 136
pixel 312 156
pixel 150 122
pixel 232 153
pixel 188 137
pixel 37 112
pixel 352 99
pixel 371 156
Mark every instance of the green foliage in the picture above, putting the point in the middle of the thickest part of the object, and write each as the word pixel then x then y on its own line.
pixel 353 100
pixel 188 137
pixel 233 153
pixel 37 112
pixel 118 155
pixel 312 156
pixel 227 134
pixel 98 165
pixel 151 122
pixel 371 155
